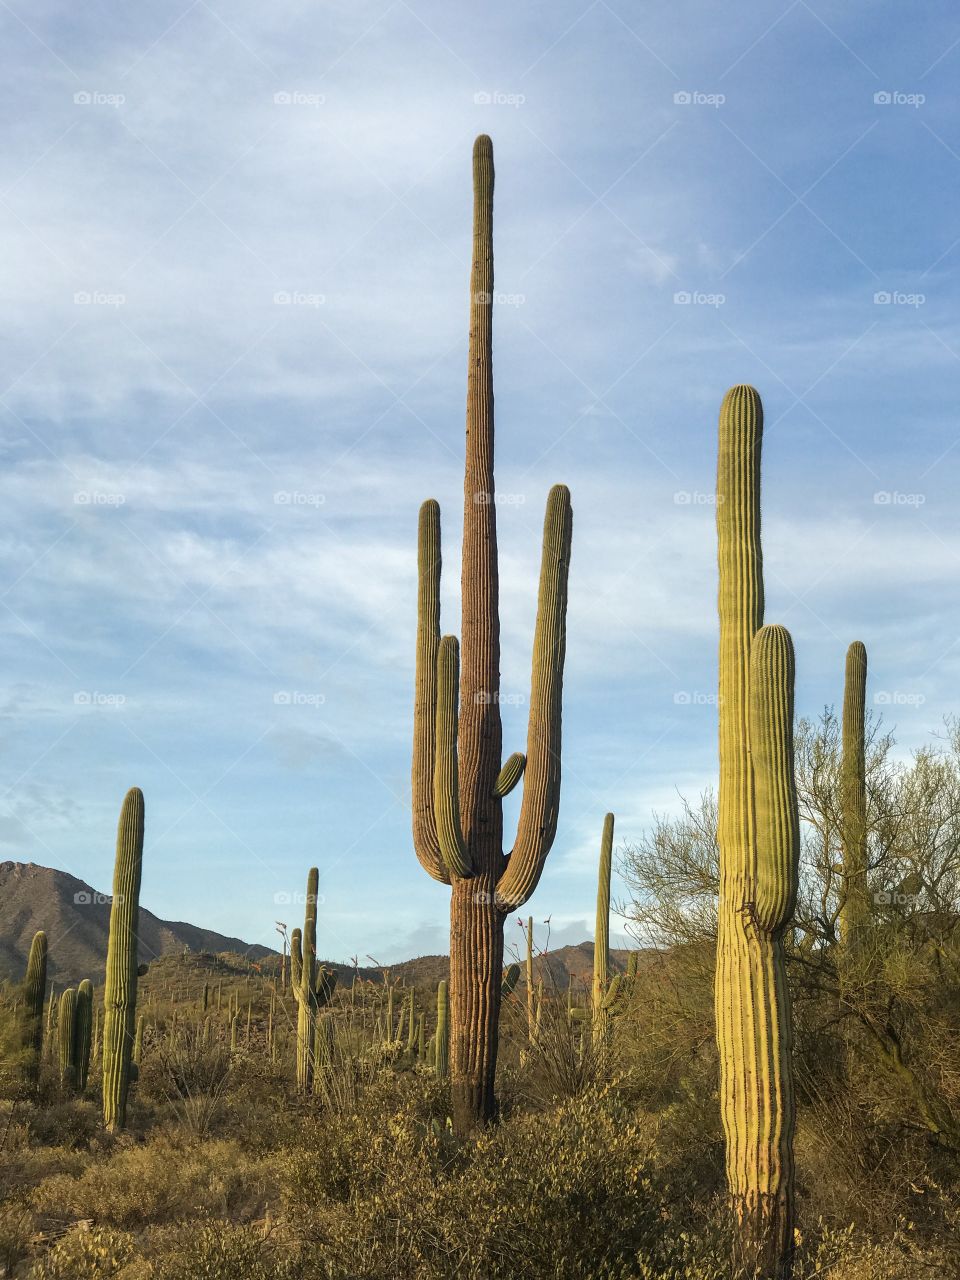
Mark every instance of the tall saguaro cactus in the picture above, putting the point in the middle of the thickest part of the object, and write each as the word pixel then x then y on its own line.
pixel 120 991
pixel 855 910
pixel 311 985
pixel 601 937
pixel 66 1038
pixel 83 1032
pixel 459 776
pixel 759 847
pixel 34 990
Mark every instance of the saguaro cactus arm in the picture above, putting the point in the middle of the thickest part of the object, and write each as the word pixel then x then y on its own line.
pixel 771 750
pixel 296 962
pixel 537 825
pixel 510 774
pixel 425 841
pixel 446 791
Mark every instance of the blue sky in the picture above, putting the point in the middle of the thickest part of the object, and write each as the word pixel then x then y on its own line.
pixel 234 318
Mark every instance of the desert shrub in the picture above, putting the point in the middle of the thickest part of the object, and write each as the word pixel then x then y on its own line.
pixel 191 1076
pixel 161 1181
pixel 69 1123
pixel 85 1253
pixel 217 1251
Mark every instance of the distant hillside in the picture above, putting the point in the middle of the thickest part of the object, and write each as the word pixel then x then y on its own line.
pixel 76 919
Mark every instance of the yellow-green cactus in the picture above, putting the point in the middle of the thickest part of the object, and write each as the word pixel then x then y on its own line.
pixel 83 1032
pixel 66 1038
pixel 34 990
pixel 120 991
pixel 855 907
pixel 757 832
pixel 312 986
pixel 601 937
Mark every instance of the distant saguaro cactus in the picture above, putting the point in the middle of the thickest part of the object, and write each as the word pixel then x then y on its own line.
pixel 34 990
pixel 459 776
pixel 312 987
pixel 442 1036
pixel 83 1032
pixel 66 1038
pixel 855 909
pixel 120 991
pixel 759 849
pixel 601 937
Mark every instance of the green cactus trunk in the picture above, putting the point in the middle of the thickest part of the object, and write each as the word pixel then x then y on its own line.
pixel 312 987
pixel 66 1038
pixel 138 1043
pixel 758 861
pixel 855 910
pixel 601 937
pixel 120 991
pixel 459 776
pixel 442 1037
pixel 83 1032
pixel 34 990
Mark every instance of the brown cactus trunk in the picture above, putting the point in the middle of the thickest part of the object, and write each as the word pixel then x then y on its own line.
pixel 476 964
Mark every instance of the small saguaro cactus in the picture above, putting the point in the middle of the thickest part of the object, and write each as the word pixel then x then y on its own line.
pixel 442 1036
pixel 66 1038
pixel 601 937
pixel 120 991
pixel 312 986
pixel 34 990
pixel 459 776
pixel 759 848
pixel 511 976
pixel 855 908
pixel 83 1032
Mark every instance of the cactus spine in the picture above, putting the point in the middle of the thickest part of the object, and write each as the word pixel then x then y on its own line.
pixel 34 990
pixel 458 771
pixel 855 909
pixel 442 1037
pixel 83 1032
pixel 312 987
pixel 758 860
pixel 66 1038
pixel 120 991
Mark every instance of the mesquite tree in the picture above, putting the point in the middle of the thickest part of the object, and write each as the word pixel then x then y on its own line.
pixel 459 777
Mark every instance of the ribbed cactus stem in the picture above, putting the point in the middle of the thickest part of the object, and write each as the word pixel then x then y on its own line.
pixel 411 1021
pixel 83 1032
pixel 138 1042
pixel 757 833
pixel 34 990
pixel 601 936
pixel 855 907
pixel 459 778
pixel 66 1042
pixel 311 985
pixel 120 991
pixel 442 1060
